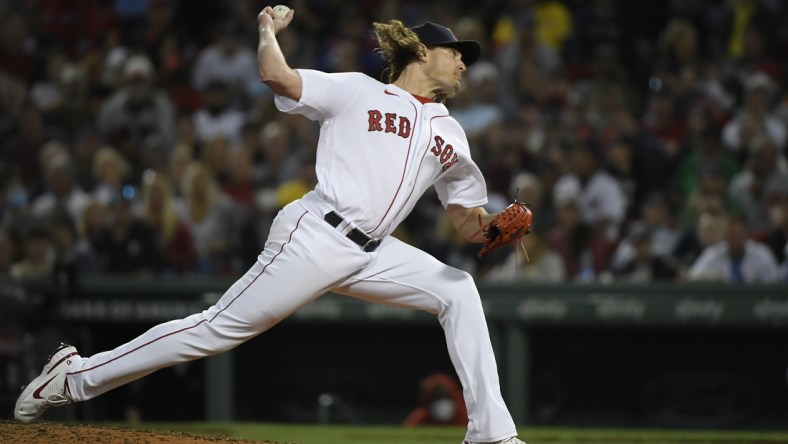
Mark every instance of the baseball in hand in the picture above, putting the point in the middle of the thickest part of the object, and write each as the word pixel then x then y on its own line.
pixel 280 12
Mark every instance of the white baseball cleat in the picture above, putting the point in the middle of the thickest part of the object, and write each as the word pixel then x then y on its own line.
pixel 512 440
pixel 48 389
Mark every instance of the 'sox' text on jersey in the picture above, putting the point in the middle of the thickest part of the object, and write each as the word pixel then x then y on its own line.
pixel 389 123
pixel 444 152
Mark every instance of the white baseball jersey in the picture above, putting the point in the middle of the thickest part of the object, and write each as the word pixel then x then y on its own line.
pixel 380 149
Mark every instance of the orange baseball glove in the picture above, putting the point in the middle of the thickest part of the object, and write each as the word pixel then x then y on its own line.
pixel 509 226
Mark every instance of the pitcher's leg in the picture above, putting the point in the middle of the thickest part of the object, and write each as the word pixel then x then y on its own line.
pixel 303 258
pixel 406 276
pixel 219 328
pixel 468 341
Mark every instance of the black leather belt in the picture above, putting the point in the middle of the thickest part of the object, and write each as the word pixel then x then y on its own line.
pixel 366 243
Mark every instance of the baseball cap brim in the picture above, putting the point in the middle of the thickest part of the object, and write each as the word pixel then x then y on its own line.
pixel 470 50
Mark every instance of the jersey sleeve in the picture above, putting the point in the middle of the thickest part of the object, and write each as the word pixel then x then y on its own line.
pixel 323 95
pixel 462 186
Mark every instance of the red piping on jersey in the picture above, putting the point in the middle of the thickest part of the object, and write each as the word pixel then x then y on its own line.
pixel 404 167
pixel 204 320
pixel 429 142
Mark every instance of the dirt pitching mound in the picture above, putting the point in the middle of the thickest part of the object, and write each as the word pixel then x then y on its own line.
pixel 48 432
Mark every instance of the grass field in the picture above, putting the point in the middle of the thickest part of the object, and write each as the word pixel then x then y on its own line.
pixel 311 434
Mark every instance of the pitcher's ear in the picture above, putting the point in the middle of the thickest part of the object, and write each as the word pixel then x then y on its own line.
pixel 422 52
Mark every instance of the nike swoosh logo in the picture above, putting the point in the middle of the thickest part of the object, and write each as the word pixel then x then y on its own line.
pixel 389 93
pixel 37 393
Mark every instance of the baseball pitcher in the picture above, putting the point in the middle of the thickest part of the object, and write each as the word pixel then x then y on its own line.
pixel 381 146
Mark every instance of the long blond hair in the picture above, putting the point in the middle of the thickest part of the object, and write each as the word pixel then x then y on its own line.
pixel 196 171
pixel 397 44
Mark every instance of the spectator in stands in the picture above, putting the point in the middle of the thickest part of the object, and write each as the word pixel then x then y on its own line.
pixel 217 118
pixel 95 217
pixel 137 110
pixel 762 182
pixel 115 55
pixel 16 213
pixel 212 218
pixel 279 163
pixel 710 191
pixel 87 144
pixel 240 188
pixel 127 244
pixel 703 174
pixel 755 117
pixel 679 64
pixel 584 252
pixel 709 230
pixel 16 54
pixel 777 237
pixel 13 97
pixel 595 23
pixel 296 188
pixel 214 157
pixel 71 109
pixel 175 72
pixel 154 154
pixel 749 36
pixel 475 108
pixel 174 237
pixel 61 192
pixel 542 264
pixel 658 219
pixel 534 131
pixel 440 403
pixel 180 159
pixel 636 261
pixel 22 147
pixel 636 167
pixel 38 257
pixel 599 197
pixel 736 259
pixel 185 133
pixel 239 185
pixel 663 122
pixel 229 61
pixel 73 255
pixel 655 222
pixel 518 43
pixel 110 172
pixel 45 93
pixel 529 188
pixel 695 112
pixel 503 157
pixel 158 28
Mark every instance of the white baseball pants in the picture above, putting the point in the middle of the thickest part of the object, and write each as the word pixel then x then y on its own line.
pixel 305 257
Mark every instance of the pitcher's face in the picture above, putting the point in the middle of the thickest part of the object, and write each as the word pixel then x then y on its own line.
pixel 445 68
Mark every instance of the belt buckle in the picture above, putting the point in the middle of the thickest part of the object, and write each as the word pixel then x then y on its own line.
pixel 371 245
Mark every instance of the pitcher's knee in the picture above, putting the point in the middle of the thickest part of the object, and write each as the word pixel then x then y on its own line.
pixel 460 291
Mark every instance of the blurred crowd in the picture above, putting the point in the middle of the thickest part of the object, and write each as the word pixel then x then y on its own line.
pixel 649 137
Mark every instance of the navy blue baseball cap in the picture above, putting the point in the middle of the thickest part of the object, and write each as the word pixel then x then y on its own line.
pixel 433 34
